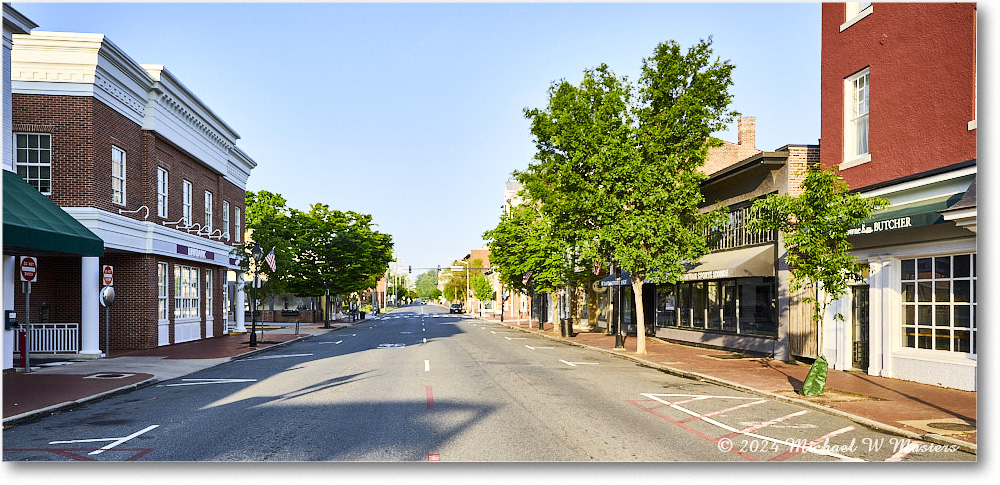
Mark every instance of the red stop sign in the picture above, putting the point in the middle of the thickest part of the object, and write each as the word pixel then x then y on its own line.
pixel 29 269
pixel 108 275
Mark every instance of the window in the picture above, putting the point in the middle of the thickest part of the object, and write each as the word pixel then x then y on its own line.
pixel 161 287
pixel 208 212
pixel 185 292
pixel 186 201
pixel 743 306
pixel 237 230
pixel 939 303
pixel 225 219
pixel 855 11
pixel 33 160
pixel 117 175
pixel 856 117
pixel 208 294
pixel 162 178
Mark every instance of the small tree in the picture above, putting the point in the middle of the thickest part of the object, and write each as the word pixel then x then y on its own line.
pixel 815 225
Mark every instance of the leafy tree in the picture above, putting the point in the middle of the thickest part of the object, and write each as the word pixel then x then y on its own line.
pixel 815 225
pixel 481 287
pixel 267 223
pixel 615 170
pixel 426 284
pixel 523 242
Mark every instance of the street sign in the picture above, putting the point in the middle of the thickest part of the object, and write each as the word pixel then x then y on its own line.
pixel 108 275
pixel 29 269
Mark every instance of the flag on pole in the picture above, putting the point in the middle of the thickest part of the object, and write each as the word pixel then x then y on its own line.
pixel 270 260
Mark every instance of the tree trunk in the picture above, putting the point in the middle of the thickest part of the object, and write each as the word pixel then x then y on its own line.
pixel 640 324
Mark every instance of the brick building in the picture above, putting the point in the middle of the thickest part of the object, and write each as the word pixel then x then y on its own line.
pixel 898 119
pixel 140 161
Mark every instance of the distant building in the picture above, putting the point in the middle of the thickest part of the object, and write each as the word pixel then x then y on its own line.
pixel 898 119
pixel 139 160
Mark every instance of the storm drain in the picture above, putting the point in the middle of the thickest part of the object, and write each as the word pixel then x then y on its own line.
pixel 109 376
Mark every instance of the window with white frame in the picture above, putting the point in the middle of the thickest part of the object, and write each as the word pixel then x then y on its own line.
pixel 117 175
pixel 208 294
pixel 855 11
pixel 939 303
pixel 237 225
pixel 162 182
pixel 208 212
pixel 856 117
pixel 186 300
pixel 33 159
pixel 186 203
pixel 225 219
pixel 161 291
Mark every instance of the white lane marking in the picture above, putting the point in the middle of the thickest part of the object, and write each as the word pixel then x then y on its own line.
pixel 198 382
pixel 278 356
pixel 427 366
pixel 334 343
pixel 534 348
pixel 574 364
pixel 517 338
pixel 114 441
pixel 425 340
pixel 390 346
pixel 405 333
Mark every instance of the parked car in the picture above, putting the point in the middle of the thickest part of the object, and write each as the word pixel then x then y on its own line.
pixel 455 308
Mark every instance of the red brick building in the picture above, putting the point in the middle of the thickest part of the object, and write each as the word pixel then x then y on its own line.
pixel 898 111
pixel 138 159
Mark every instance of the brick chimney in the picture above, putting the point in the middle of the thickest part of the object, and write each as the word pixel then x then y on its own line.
pixel 746 129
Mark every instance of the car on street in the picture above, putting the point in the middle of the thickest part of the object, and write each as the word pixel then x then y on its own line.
pixel 455 308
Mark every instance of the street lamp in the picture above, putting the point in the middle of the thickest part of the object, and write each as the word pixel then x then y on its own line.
pixel 256 253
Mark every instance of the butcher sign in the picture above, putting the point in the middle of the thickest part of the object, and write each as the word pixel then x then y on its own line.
pixel 29 269
pixel 108 275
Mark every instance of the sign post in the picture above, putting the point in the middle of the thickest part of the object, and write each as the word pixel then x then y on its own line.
pixel 29 274
pixel 107 298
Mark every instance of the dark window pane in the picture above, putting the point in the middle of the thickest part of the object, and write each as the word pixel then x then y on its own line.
pixel 962 316
pixel 911 337
pixel 909 292
pixel 32 141
pixel 942 316
pixel 22 171
pixel 22 156
pixel 33 156
pixel 43 141
pixel 698 305
pixel 924 315
pixel 44 186
pixel 942 291
pixel 962 338
pixel 974 273
pixel 961 269
pixel 942 267
pixel 924 268
pixel 909 272
pixel 909 314
pixel 963 290
pixel 923 338
pixel 22 141
pixel 43 157
pixel 714 321
pixel 729 306
pixel 942 339
pixel 925 290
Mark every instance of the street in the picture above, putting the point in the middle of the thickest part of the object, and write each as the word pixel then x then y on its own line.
pixel 419 384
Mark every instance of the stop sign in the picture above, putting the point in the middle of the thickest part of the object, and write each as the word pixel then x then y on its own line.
pixel 108 275
pixel 29 267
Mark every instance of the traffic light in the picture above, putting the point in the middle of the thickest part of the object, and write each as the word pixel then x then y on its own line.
pixel 409 269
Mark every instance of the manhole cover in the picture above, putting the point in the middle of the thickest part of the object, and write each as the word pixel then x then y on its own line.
pixel 109 376
pixel 952 426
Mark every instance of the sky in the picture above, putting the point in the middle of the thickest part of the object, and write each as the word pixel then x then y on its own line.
pixel 414 113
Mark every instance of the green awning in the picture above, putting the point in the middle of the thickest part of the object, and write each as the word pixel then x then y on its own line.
pixel 923 213
pixel 32 221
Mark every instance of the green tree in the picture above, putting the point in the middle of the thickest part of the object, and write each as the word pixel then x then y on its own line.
pixel 523 242
pixel 267 223
pixel 426 284
pixel 481 287
pixel 616 167
pixel 814 226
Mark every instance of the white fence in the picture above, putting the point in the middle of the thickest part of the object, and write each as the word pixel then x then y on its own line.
pixel 51 338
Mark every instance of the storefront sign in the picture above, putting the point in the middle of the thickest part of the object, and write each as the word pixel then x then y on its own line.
pixel 707 275
pixel 879 226
pixel 196 253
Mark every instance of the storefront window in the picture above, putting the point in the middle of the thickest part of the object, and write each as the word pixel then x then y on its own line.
pixel 744 306
pixel 666 313
pixel 939 303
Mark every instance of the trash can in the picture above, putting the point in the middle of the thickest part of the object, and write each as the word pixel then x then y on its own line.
pixel 566 327
pixel 362 315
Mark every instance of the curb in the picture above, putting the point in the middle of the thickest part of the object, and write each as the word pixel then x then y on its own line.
pixel 869 423
pixel 19 418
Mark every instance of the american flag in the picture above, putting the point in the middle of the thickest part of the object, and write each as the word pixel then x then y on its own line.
pixel 270 260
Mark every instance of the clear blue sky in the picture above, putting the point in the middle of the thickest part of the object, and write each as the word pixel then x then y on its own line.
pixel 414 112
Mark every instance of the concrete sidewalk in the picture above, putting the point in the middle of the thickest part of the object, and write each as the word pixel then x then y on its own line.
pixel 55 384
pixel 909 409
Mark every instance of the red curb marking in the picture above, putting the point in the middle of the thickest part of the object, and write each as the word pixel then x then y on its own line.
pixel 433 457
pixel 430 398
pixel 69 452
pixel 694 432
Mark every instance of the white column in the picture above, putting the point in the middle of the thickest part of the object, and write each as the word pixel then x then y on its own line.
pixel 90 311
pixel 241 299
pixel 8 304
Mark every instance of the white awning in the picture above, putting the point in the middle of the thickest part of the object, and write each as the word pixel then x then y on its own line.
pixel 738 263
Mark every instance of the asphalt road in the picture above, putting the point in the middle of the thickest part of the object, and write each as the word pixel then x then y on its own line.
pixel 418 384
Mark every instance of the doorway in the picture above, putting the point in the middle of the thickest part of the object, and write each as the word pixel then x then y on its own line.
pixel 859 312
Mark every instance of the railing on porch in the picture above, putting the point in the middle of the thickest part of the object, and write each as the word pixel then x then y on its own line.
pixel 52 338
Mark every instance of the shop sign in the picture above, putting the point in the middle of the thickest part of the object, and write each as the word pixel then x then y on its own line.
pixel 196 253
pixel 707 275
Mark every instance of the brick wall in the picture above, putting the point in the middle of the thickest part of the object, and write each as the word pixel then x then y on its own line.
pixel 800 158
